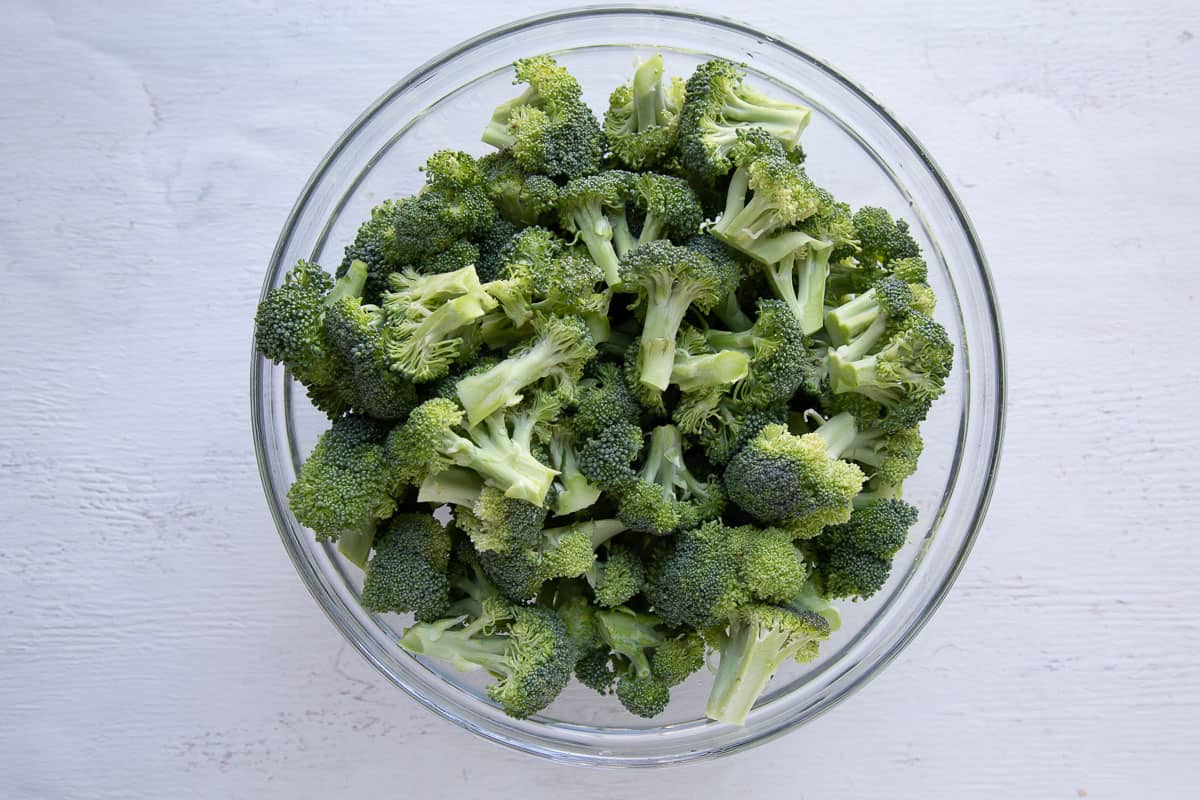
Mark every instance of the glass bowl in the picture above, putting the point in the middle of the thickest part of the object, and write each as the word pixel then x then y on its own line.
pixel 857 150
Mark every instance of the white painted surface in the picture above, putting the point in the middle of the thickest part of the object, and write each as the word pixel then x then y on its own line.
pixel 154 641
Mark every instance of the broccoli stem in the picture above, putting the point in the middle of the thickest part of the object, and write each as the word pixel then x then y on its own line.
pixel 349 285
pixel 710 369
pixel 456 486
pixel 647 94
pixel 782 120
pixel 805 293
pixel 839 433
pixel 629 635
pixel 664 461
pixel 507 461
pixel 731 315
pixel 749 659
pixel 622 238
pixel 459 647
pixel 853 317
pixel 502 385
pixel 597 233
pixel 665 308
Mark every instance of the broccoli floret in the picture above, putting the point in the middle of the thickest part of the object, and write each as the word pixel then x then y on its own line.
pixel 520 197
pixel 500 449
pixel 781 195
pixel 594 670
pixel 779 359
pixel 573 491
pixel 499 523
pixel 560 349
pixel 642 120
pixel 428 317
pixel 669 280
pixel 708 572
pixel 717 106
pixel 593 208
pixel 565 552
pixel 760 639
pixel 879 527
pixel 548 128
pixel 450 207
pixel 631 637
pixel 671 207
pixel 289 330
pixel 868 315
pixel 798 481
pixel 371 247
pixel 354 334
pixel 542 275
pixel 606 458
pixel 345 486
pixel 798 261
pixel 676 658
pixel 905 375
pixel 526 648
pixel 810 599
pixel 882 239
pixel 892 456
pixel 617 578
pixel 665 496
pixel 408 571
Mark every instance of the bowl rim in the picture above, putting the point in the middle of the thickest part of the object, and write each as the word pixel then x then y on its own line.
pixel 994 440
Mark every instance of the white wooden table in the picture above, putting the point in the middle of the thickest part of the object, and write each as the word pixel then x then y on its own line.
pixel 154 640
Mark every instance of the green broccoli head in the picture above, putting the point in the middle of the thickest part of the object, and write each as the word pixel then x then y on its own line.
pixel 672 210
pixel 548 128
pixel 520 197
pixel 718 105
pixel 353 333
pixel 760 639
pixel 669 280
pixel 503 524
pixel 642 120
pixel 526 649
pixel 882 239
pixel 346 484
pixel 408 571
pixel 619 577
pixel 796 480
pixel 371 246
pixel 675 658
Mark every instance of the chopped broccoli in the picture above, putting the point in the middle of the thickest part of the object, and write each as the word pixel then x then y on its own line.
pixel 617 578
pixel 642 120
pixel 548 128
pixel 797 481
pixel 525 648
pixel 672 209
pixel 408 571
pixel 760 639
pixel 593 208
pixel 346 486
pixel 665 496
pixel 557 354
pixel 717 106
pixel 669 280
pixel 289 330
pixel 500 449
pixel 719 454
